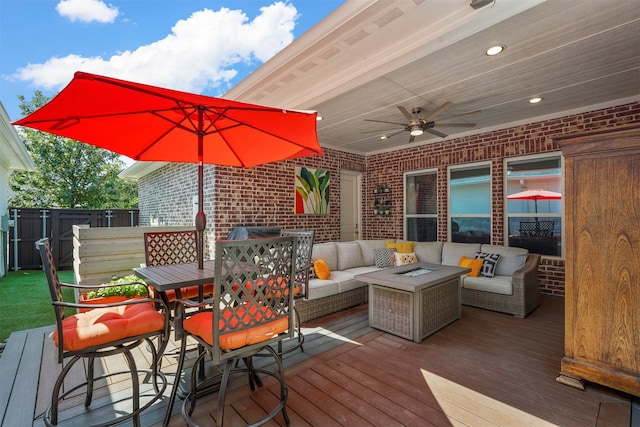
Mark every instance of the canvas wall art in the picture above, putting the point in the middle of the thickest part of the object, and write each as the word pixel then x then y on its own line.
pixel 312 191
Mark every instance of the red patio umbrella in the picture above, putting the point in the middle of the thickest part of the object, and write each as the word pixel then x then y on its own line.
pixel 535 194
pixel 150 123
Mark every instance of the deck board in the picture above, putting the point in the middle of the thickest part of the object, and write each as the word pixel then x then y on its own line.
pixel 486 369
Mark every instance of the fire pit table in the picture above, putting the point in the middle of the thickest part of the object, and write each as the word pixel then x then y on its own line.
pixel 414 301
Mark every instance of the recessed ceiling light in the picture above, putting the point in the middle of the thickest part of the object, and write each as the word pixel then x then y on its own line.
pixel 383 137
pixel 318 118
pixel 535 100
pixel 494 50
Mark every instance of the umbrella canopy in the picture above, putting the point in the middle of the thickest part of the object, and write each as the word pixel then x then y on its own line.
pixel 535 194
pixel 150 123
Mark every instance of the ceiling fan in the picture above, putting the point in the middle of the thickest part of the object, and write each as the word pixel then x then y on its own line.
pixel 417 126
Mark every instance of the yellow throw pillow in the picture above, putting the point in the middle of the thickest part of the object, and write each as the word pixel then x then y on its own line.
pixel 322 269
pixel 471 263
pixel 401 247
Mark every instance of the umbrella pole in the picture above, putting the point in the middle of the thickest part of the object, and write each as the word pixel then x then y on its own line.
pixel 201 219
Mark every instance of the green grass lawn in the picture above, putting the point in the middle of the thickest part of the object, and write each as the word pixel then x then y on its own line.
pixel 25 302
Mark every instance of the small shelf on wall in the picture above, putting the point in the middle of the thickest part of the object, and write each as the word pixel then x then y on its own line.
pixel 382 200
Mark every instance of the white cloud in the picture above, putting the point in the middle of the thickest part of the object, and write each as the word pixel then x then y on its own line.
pixel 198 54
pixel 87 11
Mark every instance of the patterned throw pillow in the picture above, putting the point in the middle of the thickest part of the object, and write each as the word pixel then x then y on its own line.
pixel 474 264
pixel 404 258
pixel 489 263
pixel 383 257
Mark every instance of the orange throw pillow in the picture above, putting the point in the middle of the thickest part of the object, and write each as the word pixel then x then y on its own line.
pixel 471 263
pixel 322 269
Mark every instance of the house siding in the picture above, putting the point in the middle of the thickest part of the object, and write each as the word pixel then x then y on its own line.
pixel 265 195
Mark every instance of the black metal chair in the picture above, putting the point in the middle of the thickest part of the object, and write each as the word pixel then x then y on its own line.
pixel 102 330
pixel 303 273
pixel 251 310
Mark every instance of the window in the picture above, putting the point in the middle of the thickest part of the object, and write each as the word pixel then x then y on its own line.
pixel 534 203
pixel 470 203
pixel 421 206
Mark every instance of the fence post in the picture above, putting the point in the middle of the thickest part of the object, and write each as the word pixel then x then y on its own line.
pixel 108 214
pixel 15 240
pixel 43 215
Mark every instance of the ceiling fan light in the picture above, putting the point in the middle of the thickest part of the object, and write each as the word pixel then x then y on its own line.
pixel 416 131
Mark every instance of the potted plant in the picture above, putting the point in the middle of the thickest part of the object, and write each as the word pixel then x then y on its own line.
pixel 116 290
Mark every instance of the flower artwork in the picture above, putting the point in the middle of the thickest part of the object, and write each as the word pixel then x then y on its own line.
pixel 312 191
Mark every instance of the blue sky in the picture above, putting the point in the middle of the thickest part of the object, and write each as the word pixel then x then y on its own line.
pixel 202 46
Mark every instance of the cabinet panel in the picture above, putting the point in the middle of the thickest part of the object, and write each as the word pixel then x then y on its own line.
pixel 602 289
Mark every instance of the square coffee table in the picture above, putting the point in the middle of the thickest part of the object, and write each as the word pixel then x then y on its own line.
pixel 413 301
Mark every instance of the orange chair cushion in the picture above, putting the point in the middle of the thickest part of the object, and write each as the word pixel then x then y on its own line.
pixel 201 324
pixel 104 325
pixel 190 292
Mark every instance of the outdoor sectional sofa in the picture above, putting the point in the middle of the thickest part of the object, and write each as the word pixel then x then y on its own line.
pixel 513 289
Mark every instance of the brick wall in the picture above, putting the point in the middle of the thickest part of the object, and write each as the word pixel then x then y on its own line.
pixel 264 195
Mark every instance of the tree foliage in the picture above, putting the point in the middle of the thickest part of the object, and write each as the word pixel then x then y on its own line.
pixel 69 174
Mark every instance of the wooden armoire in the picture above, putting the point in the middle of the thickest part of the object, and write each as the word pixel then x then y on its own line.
pixel 602 287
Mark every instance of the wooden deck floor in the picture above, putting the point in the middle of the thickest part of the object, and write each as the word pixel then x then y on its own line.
pixel 486 369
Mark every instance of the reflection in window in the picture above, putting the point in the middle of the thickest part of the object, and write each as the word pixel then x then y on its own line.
pixel 535 221
pixel 470 204
pixel 421 206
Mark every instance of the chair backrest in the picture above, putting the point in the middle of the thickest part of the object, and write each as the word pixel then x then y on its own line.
pixel 55 288
pixel 253 288
pixel 170 247
pixel 51 273
pixel 303 256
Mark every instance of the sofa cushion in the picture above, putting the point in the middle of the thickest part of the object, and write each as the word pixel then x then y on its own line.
pixel 496 284
pixel 349 255
pixel 348 282
pixel 489 263
pixel 383 257
pixel 511 259
pixel 366 249
pixel 428 252
pixel 452 252
pixel 326 251
pixel 322 288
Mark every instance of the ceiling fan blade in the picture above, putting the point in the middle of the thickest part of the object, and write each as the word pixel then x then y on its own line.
pixel 455 125
pixel 438 110
pixel 435 132
pixel 382 121
pixel 395 133
pixel 459 116
pixel 406 113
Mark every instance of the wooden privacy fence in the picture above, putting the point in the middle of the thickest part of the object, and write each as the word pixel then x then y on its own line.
pixel 32 224
pixel 100 253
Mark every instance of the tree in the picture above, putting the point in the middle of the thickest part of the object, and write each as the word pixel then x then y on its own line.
pixel 69 174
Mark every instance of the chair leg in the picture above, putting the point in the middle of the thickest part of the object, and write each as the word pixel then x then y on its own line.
pixel 223 391
pixel 176 381
pixel 51 414
pixel 136 387
pixel 90 376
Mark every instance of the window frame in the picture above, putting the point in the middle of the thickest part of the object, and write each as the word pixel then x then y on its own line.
pixel 561 214
pixel 468 166
pixel 405 215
